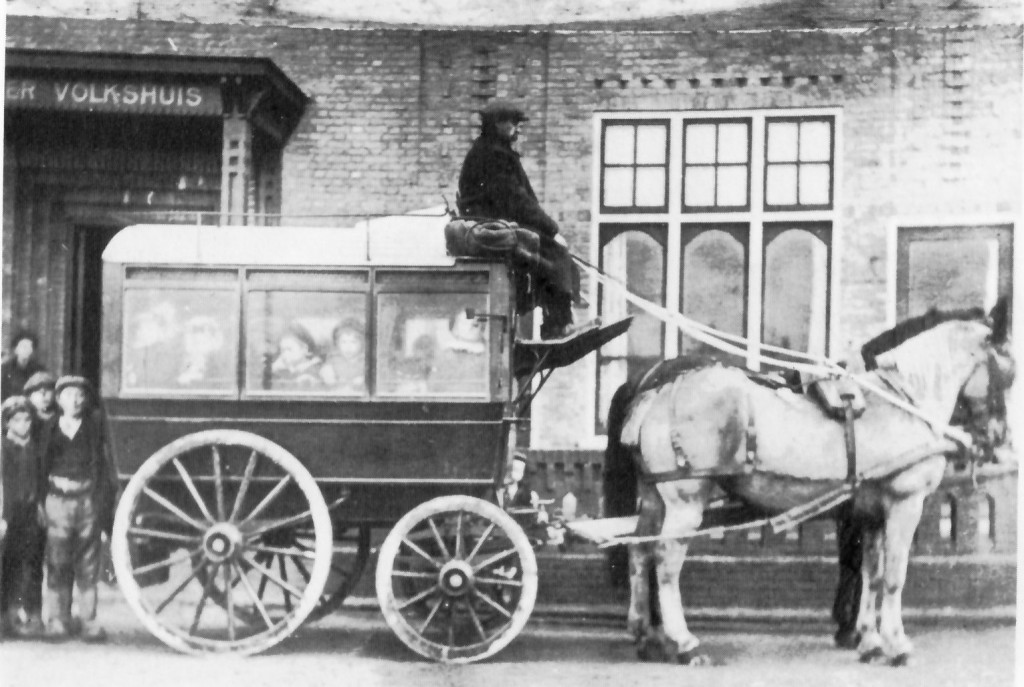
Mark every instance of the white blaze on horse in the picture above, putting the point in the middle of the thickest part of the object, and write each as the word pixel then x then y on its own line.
pixel 774 450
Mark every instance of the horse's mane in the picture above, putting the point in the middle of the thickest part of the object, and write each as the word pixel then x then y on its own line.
pixel 908 329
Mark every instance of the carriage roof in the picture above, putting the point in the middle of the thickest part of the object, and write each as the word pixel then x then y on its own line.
pixel 400 240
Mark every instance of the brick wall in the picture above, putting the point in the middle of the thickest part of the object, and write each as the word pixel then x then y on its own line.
pixel 931 125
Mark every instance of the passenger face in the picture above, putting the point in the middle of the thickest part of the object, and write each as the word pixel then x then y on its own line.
pixel 42 400
pixel 71 401
pixel 350 344
pixel 293 351
pixel 23 351
pixel 20 424
pixel 518 470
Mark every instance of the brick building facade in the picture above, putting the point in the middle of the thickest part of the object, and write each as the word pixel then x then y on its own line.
pixel 922 142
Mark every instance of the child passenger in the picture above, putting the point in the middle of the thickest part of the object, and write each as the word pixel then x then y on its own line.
pixel 21 593
pixel 345 367
pixel 80 480
pixel 297 365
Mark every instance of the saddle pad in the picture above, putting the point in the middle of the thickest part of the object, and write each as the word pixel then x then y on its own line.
pixel 831 395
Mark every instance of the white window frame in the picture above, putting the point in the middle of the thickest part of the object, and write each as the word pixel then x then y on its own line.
pixel 756 217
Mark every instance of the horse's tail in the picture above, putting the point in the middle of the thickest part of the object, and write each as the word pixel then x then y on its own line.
pixel 619 480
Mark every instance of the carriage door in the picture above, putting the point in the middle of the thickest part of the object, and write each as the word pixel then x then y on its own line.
pixel 85 298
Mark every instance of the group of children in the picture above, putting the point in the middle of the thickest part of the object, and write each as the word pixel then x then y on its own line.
pixel 57 494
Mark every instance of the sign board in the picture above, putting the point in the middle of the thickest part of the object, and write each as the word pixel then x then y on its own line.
pixel 113 95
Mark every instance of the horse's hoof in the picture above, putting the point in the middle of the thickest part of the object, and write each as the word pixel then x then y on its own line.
pixel 847 639
pixel 900 660
pixel 694 657
pixel 872 655
pixel 650 652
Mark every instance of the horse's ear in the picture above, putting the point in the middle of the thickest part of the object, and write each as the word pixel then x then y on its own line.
pixel 999 320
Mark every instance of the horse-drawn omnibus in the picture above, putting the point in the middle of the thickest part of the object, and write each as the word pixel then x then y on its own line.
pixel 274 394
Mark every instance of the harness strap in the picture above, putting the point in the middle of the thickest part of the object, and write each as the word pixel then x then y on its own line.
pixel 849 434
pixel 686 471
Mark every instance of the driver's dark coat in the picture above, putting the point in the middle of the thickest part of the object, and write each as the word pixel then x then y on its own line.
pixel 494 185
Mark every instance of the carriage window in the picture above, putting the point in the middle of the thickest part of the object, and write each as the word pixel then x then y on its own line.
pixel 428 346
pixel 180 339
pixel 306 342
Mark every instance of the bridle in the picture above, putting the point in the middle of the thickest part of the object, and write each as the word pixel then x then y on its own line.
pixel 984 416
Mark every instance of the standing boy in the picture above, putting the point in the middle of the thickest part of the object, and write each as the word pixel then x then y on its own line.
pixel 39 390
pixel 80 484
pixel 20 596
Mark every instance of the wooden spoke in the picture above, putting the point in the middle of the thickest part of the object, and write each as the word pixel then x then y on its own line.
pixel 419 597
pixel 411 574
pixel 301 568
pixel 159 534
pixel 490 602
pixel 167 562
pixel 438 539
pixel 250 467
pixel 284 576
pixel 218 482
pixel 202 600
pixel 476 619
pixel 273 579
pixel 421 553
pixel 230 601
pixel 177 590
pixel 431 615
pixel 499 581
pixel 190 485
pixel 480 542
pixel 278 524
pixel 278 488
pixel 494 559
pixel 185 517
pixel 458 535
pixel 247 585
pixel 278 551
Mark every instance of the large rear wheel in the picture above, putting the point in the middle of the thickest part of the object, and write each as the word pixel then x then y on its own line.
pixel 220 509
pixel 456 579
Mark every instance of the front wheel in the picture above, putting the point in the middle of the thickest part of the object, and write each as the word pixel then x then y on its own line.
pixel 201 543
pixel 456 579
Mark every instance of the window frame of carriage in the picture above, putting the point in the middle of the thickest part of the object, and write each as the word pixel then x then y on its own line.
pixel 417 280
pixel 822 221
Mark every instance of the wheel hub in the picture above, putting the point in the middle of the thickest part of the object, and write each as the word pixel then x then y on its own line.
pixel 456 578
pixel 221 542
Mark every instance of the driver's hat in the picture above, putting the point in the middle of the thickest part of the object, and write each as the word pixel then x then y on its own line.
pixel 499 110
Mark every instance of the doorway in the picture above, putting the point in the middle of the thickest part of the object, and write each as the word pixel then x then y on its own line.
pixel 86 299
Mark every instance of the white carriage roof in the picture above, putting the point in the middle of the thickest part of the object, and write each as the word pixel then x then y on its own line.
pixel 415 239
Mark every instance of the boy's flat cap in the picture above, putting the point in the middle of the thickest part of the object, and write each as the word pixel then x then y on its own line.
pixel 72 380
pixel 40 380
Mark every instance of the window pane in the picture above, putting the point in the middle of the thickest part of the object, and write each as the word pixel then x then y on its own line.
pixel 637 260
pixel 782 141
pixel 650 186
pixel 714 279
pixel 618 145
pixel 732 186
pixel 814 184
pixel 732 143
pixel 182 340
pixel 426 346
pixel 952 273
pixel 306 342
pixel 618 187
pixel 651 148
pixel 700 143
pixel 780 186
pixel 796 291
pixel 699 187
pixel 815 142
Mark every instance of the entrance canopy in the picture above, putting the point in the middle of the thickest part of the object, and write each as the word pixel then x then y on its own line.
pixel 154 84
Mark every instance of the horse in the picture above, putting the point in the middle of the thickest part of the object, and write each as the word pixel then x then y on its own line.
pixel 774 449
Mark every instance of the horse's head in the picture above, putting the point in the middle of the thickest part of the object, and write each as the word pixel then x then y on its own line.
pixel 982 403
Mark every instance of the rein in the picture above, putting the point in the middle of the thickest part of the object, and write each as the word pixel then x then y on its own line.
pixel 730 343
